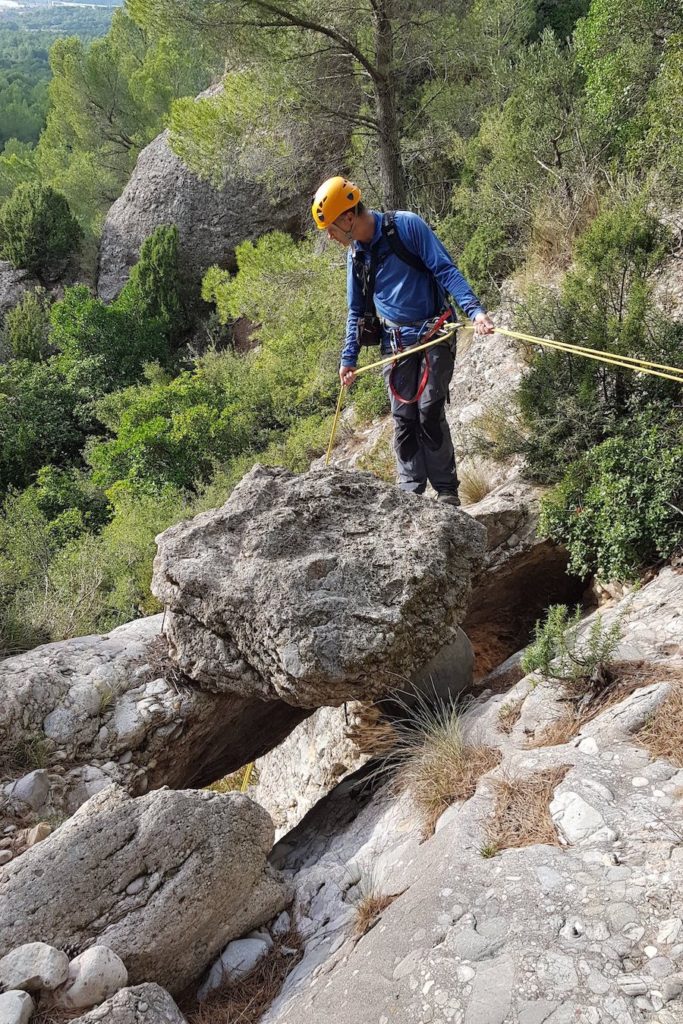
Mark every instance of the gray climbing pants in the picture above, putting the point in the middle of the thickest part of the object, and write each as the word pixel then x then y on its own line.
pixel 422 439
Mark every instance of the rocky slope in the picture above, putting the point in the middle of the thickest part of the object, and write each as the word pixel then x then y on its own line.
pixel 583 926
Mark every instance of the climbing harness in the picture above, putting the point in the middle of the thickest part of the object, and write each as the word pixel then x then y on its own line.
pixel 398 348
pixel 636 364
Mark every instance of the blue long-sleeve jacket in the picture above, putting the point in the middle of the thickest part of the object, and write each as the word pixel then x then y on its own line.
pixel 402 294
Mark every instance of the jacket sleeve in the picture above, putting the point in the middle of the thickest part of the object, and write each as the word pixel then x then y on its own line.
pixel 420 239
pixel 354 297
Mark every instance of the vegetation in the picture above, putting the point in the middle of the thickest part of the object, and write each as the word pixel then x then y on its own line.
pixel 37 231
pixel 521 815
pixel 543 140
pixel 562 651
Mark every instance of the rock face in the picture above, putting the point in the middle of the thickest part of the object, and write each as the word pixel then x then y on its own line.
pixel 211 221
pixel 317 755
pixel 521 574
pixel 141 1004
pixel 586 928
pixel 165 881
pixel 110 708
pixel 13 286
pixel 315 589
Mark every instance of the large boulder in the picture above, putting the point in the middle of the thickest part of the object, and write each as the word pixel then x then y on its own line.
pixel 165 881
pixel 315 589
pixel 211 221
pixel 113 708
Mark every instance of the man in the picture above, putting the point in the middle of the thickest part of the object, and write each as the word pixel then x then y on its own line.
pixel 410 278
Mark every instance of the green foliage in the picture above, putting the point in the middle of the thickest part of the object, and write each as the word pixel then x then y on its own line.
pixel 37 425
pixel 108 99
pixel 26 329
pixel 102 347
pixel 569 404
pixel 562 651
pixel 37 230
pixel 154 290
pixel 619 507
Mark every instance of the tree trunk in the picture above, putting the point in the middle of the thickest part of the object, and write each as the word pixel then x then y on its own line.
pixel 390 163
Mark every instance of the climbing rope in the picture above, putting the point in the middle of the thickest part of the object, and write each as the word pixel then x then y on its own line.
pixel 638 365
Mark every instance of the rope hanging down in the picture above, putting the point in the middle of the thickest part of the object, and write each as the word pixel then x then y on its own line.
pixel 609 358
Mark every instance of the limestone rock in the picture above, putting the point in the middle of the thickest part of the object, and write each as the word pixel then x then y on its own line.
pixel 323 749
pixel 34 966
pixel 31 789
pixel 110 708
pixel 15 1007
pixel 94 975
pixel 200 857
pixel 13 286
pixel 141 1004
pixel 542 934
pixel 317 588
pixel 238 959
pixel 211 221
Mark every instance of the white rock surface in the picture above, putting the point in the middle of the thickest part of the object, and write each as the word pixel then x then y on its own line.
pixel 31 789
pixel 34 966
pixel 15 1007
pixel 238 959
pixel 94 975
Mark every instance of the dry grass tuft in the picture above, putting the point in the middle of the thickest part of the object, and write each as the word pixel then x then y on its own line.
pixel 662 734
pixel 521 816
pixel 161 665
pixel 476 481
pixel 368 910
pixel 508 715
pixel 434 760
pixel 623 678
pixel 371 732
pixel 248 1000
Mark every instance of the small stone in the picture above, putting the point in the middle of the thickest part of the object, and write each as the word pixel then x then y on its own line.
pixel 136 886
pixel 631 984
pixel 672 987
pixel 94 976
pixel 577 819
pixel 650 951
pixel 660 967
pixel 34 966
pixel 238 959
pixel 39 832
pixel 588 746
pixel 643 1003
pixel 15 1007
pixel 668 930
pixel 281 925
pixel 5 857
pixel 33 789
pixel 639 782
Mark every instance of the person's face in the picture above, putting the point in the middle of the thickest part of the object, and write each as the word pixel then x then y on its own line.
pixel 340 229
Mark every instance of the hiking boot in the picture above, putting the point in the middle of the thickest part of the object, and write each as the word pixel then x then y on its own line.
pixel 448 498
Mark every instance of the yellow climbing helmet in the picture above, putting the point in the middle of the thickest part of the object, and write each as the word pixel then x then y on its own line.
pixel 334 197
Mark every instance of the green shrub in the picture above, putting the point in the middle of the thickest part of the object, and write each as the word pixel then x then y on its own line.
pixel 26 330
pixel 37 229
pixel 619 508
pixel 560 652
pixel 154 291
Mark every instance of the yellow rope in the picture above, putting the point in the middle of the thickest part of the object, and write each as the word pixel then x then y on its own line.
pixel 245 778
pixel 609 358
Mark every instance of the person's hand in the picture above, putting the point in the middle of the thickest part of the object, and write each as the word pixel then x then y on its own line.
pixel 347 375
pixel 483 324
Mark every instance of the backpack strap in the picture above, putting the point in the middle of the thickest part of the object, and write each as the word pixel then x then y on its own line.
pixel 366 272
pixel 390 232
pixel 399 248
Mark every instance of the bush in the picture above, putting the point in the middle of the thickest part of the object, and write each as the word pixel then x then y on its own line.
pixel 37 230
pixel 569 403
pixel 619 508
pixel 560 652
pixel 26 330
pixel 154 289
